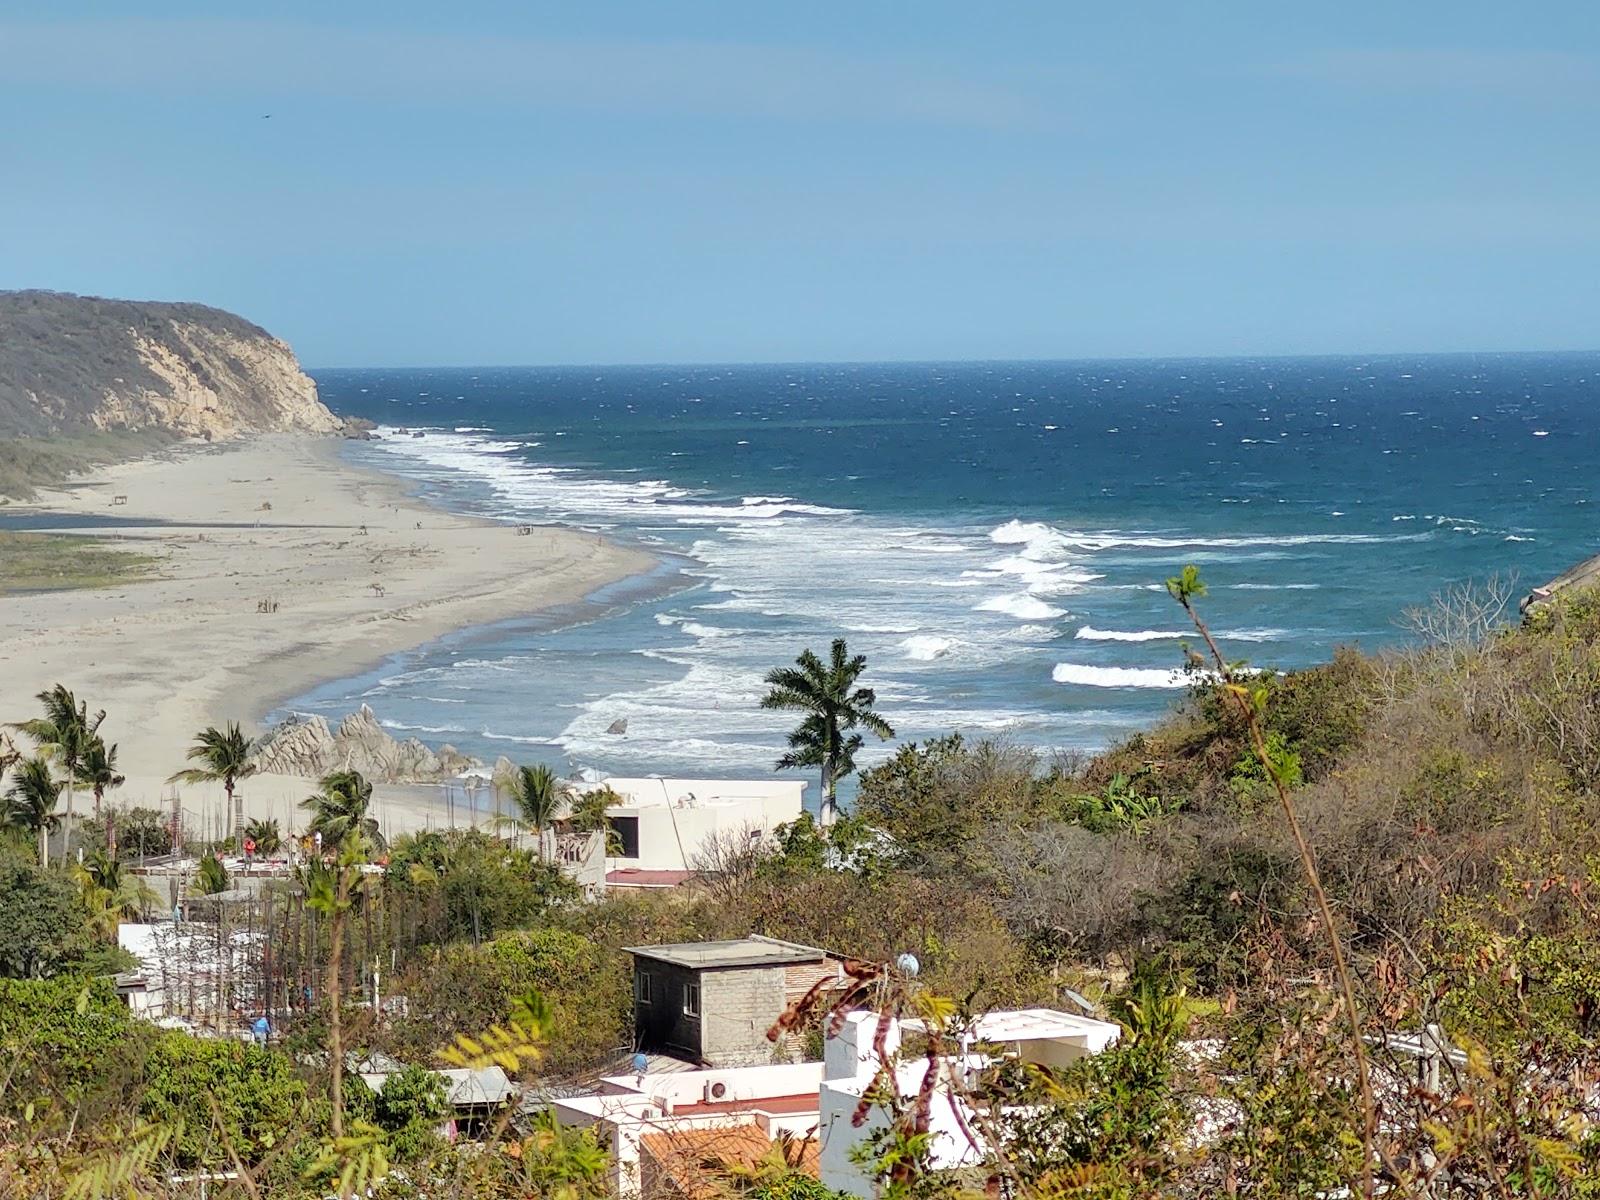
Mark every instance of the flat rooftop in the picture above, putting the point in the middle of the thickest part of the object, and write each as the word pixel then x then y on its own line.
pixel 657 792
pixel 745 952
pixel 1032 1024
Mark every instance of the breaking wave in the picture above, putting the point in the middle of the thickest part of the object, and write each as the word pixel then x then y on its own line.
pixel 1119 677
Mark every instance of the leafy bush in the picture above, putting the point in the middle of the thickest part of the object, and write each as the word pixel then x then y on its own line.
pixel 69 1043
pixel 409 1110
pixel 224 1094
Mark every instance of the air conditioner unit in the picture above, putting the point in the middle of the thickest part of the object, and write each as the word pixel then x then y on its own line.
pixel 716 1090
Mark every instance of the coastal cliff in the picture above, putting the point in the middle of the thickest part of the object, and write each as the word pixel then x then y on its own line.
pixel 72 364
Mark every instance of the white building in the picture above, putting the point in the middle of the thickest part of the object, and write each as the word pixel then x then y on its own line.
pixel 851 1064
pixel 665 826
pixel 626 1110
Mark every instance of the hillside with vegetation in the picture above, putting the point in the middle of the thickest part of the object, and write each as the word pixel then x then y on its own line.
pixel 85 380
pixel 1272 890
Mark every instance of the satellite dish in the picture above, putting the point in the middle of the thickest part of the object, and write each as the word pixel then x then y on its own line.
pixel 908 965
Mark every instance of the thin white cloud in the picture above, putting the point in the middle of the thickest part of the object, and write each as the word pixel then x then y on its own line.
pixel 1546 76
pixel 677 77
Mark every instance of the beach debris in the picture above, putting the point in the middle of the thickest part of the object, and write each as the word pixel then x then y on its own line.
pixel 618 726
pixel 119 500
pixel 266 506
pixel 309 746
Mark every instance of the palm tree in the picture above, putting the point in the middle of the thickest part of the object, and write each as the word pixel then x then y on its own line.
pixel 538 794
pixel 31 802
pixel 587 813
pixel 834 706
pixel 339 814
pixel 224 754
pixel 112 894
pixel 212 877
pixel 340 810
pixel 266 835
pixel 98 771
pixel 64 734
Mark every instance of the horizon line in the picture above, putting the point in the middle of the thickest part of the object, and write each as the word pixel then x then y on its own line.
pixel 949 362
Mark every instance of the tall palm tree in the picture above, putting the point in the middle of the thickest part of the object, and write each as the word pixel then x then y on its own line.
pixel 224 754
pixel 538 794
pixel 834 707
pixel 340 810
pixel 64 734
pixel 98 772
pixel 30 803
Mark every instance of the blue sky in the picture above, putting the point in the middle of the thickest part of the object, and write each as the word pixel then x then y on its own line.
pixel 648 182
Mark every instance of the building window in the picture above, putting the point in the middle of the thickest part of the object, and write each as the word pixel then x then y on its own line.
pixel 691 999
pixel 627 831
pixel 641 988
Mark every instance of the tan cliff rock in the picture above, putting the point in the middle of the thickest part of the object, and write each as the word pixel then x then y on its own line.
pixel 310 747
pixel 76 362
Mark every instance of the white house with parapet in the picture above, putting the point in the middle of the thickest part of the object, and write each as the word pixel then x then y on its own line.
pixel 665 826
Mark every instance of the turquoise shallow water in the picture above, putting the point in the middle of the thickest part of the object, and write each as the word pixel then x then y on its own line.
pixel 993 536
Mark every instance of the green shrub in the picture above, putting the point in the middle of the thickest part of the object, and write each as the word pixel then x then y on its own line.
pixel 224 1094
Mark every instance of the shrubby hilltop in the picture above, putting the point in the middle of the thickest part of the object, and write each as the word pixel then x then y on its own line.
pixel 79 364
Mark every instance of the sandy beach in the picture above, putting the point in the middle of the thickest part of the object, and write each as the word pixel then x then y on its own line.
pixel 279 565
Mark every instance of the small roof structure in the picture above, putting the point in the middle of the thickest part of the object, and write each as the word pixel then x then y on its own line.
pixel 752 951
pixel 464 1088
pixel 474 1089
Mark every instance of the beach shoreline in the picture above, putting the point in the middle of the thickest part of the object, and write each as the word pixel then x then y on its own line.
pixel 280 565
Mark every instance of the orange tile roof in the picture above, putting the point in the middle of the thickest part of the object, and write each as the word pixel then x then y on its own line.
pixel 689 1159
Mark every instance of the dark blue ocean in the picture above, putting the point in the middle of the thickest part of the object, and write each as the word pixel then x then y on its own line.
pixel 993 536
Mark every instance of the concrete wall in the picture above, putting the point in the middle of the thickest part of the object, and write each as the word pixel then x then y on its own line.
pixel 737 1007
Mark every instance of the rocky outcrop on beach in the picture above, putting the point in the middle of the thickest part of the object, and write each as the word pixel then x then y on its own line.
pixel 75 363
pixel 310 747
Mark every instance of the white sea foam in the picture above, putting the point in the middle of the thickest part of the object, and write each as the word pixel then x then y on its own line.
pixel 926 647
pixel 421 728
pixel 1090 634
pixel 1118 677
pixel 1042 542
pixel 694 628
pixel 1024 607
pixel 1033 633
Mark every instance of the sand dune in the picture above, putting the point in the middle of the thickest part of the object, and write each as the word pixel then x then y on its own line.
pixel 188 647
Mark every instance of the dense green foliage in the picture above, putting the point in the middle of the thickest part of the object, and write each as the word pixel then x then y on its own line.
pixel 222 1095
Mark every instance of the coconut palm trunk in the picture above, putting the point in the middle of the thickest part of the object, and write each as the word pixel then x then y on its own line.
pixel 335 1027
pixel 66 835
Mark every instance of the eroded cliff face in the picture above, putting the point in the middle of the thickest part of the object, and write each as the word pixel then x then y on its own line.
pixel 78 362
pixel 217 384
